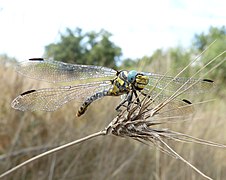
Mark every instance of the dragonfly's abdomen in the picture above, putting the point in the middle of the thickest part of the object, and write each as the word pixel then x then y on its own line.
pixel 90 99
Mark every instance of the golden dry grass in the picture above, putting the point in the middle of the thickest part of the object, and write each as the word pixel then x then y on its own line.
pixel 25 134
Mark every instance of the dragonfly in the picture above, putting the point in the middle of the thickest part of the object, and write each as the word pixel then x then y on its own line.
pixel 102 82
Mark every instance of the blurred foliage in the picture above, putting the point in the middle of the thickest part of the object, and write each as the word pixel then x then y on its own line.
pixel 128 63
pixel 85 48
pixel 148 63
pixel 5 59
pixel 202 41
pixel 179 59
pixel 157 63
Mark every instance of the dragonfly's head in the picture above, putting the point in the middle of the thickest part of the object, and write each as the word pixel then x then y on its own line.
pixel 137 79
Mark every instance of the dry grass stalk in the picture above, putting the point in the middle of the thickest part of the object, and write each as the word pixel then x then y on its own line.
pixel 139 125
pixel 140 121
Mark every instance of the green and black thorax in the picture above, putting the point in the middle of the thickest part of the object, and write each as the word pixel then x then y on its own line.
pixel 126 81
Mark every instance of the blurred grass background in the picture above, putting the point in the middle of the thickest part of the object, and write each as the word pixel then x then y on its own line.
pixel 25 134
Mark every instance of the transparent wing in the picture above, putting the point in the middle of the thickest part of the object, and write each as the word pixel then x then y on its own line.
pixel 56 71
pixel 175 109
pixel 50 99
pixel 160 81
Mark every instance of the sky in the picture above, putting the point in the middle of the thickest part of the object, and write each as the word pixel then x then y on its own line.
pixel 139 27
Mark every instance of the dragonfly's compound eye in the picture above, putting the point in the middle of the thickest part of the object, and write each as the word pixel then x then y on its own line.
pixel 132 76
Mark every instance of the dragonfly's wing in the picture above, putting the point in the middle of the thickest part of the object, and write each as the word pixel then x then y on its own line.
pixel 160 81
pixel 56 71
pixel 175 109
pixel 49 99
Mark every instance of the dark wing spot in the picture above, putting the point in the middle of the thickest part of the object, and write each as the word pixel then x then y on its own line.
pixel 27 92
pixel 186 101
pixel 208 80
pixel 36 59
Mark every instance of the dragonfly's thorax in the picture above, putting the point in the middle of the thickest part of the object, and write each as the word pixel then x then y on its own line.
pixel 122 84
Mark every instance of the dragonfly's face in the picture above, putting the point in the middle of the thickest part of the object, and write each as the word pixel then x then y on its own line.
pixel 137 79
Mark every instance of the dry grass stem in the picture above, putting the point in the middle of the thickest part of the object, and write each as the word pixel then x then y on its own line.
pixel 101 133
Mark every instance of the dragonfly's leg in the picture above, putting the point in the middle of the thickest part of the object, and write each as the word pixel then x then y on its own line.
pixel 137 98
pixel 128 99
pixel 89 100
pixel 145 94
pixel 122 103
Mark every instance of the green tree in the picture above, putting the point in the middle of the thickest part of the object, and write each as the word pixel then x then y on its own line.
pixel 100 50
pixel 202 41
pixel 85 48
pixel 180 58
pixel 128 63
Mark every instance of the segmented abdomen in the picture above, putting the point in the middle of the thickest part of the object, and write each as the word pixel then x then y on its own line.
pixel 89 100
